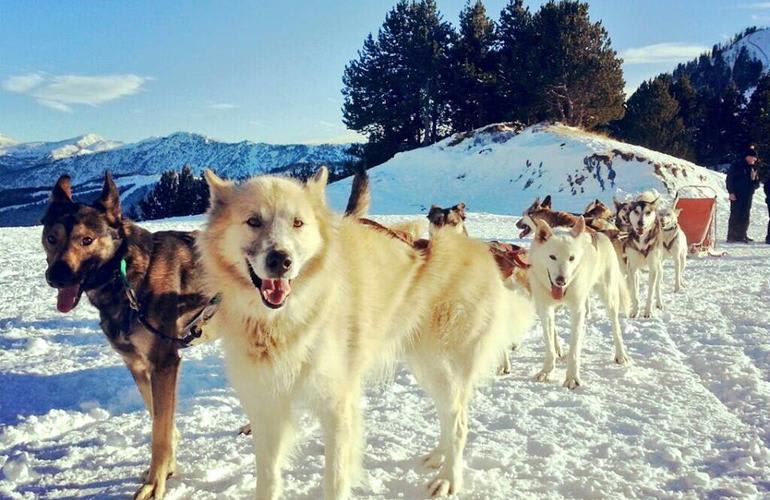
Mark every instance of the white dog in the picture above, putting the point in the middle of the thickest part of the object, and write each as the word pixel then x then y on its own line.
pixel 674 243
pixel 314 303
pixel 566 265
pixel 643 249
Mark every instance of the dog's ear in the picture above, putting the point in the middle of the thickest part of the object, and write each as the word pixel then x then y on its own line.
pixel 543 230
pixel 546 202
pixel 433 212
pixel 579 227
pixel 461 209
pixel 62 191
pixel 676 211
pixel 618 205
pixel 317 183
pixel 109 201
pixel 218 187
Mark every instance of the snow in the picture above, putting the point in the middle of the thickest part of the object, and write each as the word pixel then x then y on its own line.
pixel 498 170
pixel 688 419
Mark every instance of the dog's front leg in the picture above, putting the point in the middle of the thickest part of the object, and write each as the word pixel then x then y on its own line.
pixel 549 336
pixel 342 440
pixel 659 286
pixel 163 378
pixel 633 290
pixel 272 425
pixel 679 260
pixel 577 318
pixel 651 290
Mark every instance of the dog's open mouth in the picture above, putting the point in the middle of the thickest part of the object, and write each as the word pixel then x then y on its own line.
pixel 525 230
pixel 557 291
pixel 274 292
pixel 68 298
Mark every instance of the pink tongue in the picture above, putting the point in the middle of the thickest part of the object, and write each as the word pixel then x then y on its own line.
pixel 67 299
pixel 275 291
pixel 557 292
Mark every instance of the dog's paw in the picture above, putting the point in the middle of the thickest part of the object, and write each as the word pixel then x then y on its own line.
pixel 245 430
pixel 647 315
pixel 622 359
pixel 503 371
pixel 571 382
pixel 442 486
pixel 155 483
pixel 434 459
pixel 542 376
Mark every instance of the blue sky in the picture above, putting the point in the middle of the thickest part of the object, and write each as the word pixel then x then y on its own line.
pixel 262 71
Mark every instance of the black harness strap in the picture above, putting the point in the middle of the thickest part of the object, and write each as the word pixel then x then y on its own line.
pixel 192 331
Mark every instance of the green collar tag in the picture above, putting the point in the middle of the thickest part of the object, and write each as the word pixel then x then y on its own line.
pixel 123 267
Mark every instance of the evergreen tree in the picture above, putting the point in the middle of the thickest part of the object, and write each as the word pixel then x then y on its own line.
pixel 652 119
pixel 758 116
pixel 159 202
pixel 515 40
pixel 723 133
pixel 575 73
pixel 185 200
pixel 472 94
pixel 746 71
pixel 395 92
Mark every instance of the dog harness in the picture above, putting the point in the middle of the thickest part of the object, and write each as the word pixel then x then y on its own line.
pixel 191 332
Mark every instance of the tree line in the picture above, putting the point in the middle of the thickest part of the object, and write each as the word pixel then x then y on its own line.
pixel 420 79
pixel 707 110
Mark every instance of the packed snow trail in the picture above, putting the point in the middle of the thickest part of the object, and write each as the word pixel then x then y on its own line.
pixel 689 417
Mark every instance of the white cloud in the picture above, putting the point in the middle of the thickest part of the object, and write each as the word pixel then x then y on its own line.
pixel 662 53
pixel 60 92
pixel 222 106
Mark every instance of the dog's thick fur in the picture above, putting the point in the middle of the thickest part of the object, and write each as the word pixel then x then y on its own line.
pixel 351 298
pixel 643 249
pixel 566 264
pixel 674 243
pixel 84 245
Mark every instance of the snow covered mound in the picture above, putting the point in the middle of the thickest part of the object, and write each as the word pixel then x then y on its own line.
pixel 16 156
pixel 501 169
pixel 7 141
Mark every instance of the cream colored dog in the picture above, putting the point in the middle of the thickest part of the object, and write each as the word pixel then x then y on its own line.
pixel 313 304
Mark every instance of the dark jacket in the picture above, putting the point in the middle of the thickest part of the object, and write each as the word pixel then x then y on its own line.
pixel 767 189
pixel 739 180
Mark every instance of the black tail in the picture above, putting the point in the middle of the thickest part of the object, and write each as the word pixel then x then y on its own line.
pixel 360 196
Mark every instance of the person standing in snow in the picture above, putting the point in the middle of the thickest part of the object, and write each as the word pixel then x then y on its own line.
pixel 742 181
pixel 767 200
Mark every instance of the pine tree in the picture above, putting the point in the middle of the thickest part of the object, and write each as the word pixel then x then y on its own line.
pixel 652 119
pixel 575 74
pixel 159 203
pixel 515 39
pixel 184 203
pixel 746 71
pixel 723 133
pixel 395 92
pixel 472 93
pixel 758 119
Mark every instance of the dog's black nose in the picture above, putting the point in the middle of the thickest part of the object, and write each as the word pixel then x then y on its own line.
pixel 278 262
pixel 60 275
pixel 560 281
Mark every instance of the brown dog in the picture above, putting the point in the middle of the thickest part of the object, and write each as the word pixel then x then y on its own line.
pixel 145 312
pixel 453 217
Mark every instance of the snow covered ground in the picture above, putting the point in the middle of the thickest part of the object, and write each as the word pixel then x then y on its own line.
pixel 690 418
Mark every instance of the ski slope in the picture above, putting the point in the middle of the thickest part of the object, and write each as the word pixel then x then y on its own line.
pixel 688 419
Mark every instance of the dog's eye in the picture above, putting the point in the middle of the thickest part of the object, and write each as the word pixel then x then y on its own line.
pixel 298 222
pixel 51 239
pixel 86 241
pixel 553 257
pixel 254 222
pixel 571 258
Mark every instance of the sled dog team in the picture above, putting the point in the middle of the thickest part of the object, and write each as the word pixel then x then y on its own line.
pixel 312 305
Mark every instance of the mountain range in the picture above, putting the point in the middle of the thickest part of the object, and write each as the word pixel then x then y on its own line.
pixel 28 170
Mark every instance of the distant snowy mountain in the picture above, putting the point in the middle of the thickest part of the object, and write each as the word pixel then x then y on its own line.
pixel 757 44
pixel 501 169
pixel 28 170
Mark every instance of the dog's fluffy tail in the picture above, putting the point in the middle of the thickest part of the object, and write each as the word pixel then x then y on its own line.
pixel 360 196
pixel 523 315
pixel 413 229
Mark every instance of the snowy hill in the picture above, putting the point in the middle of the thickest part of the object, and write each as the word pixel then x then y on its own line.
pixel 7 141
pixel 757 44
pixel 27 171
pixel 501 169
